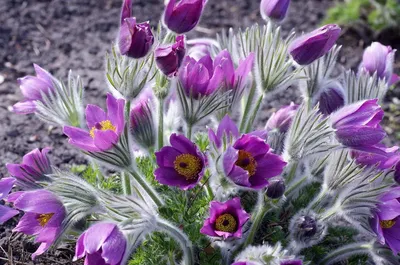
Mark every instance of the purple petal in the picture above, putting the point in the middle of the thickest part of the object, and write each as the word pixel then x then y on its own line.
pixel 24 107
pixel 227 127
pixel 126 10
pixel 28 224
pixel 94 259
pixel 166 156
pixel 96 235
pixel 39 201
pixel 168 176
pixel 104 140
pixel 125 35
pixel 115 109
pixel 113 248
pixel 359 135
pixel 42 249
pixel 6 185
pixel 80 247
pixel 389 210
pixel 244 69
pixel 80 138
pixel 94 115
pixel 183 144
pixel 6 213
pixel 252 144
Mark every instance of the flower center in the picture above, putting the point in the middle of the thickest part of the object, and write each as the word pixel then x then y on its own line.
pixel 387 223
pixel 104 126
pixel 226 223
pixel 43 219
pixel 247 162
pixel 188 165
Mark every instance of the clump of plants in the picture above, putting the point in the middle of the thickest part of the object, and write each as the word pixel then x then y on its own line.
pixel 196 178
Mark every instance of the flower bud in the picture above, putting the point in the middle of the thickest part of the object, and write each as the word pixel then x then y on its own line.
pixel 126 10
pixel 331 98
pixel 169 58
pixel 306 229
pixel 276 189
pixel 142 124
pixel 183 16
pixel 281 120
pixel 135 40
pixel 274 9
pixel 311 46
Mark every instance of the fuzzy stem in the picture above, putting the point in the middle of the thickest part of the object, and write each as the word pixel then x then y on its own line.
pixel 258 217
pixel 126 184
pixel 160 123
pixel 178 235
pixel 189 130
pixel 146 186
pixel 254 115
pixel 347 251
pixel 293 187
pixel 248 106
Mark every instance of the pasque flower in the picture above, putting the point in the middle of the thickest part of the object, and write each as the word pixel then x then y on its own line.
pixel 250 163
pixel 397 172
pixel 386 221
pixel 274 9
pixel 182 16
pixel 379 155
pixel 281 120
pixel 182 164
pixel 226 128
pixel 200 78
pixel 104 128
pixel 135 39
pixel 379 59
pixel 357 125
pixel 311 46
pixel 33 87
pixel 44 214
pixel 169 57
pixel 6 213
pixel 331 98
pixel 142 124
pixel 35 165
pixel 244 263
pixel 291 262
pixel 102 244
pixel 226 219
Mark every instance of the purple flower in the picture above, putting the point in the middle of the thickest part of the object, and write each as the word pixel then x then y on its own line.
pixel 6 213
pixel 104 128
pixel 169 58
pixel 249 162
pixel 102 244
pixel 243 263
pixel 386 221
pixel 142 124
pixel 126 10
pixel 311 46
pixel 200 78
pixel 378 59
pixel 181 164
pixel 379 155
pixel 135 40
pixel 274 9
pixel 357 125
pixel 227 128
pixel 35 165
pixel 282 119
pixel 226 219
pixel 397 172
pixel 32 87
pixel 331 99
pixel 43 217
pixel 183 16
pixel 292 262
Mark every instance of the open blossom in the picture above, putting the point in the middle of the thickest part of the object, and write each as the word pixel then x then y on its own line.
pixel 274 9
pixel 35 165
pixel 250 163
pixel 282 119
pixel 357 125
pixel 386 221
pixel 104 128
pixel 183 16
pixel 6 213
pixel 44 214
pixel 200 78
pixel 32 87
pixel 311 46
pixel 379 155
pixel 379 59
pixel 226 219
pixel 102 244
pixel 169 57
pixel 182 164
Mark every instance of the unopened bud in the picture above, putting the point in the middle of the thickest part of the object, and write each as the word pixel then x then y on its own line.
pixel 276 189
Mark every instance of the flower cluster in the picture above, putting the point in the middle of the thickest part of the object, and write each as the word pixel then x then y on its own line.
pixel 182 135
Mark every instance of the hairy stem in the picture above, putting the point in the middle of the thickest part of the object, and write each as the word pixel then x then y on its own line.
pixel 248 107
pixel 346 251
pixel 160 141
pixel 126 184
pixel 147 187
pixel 258 217
pixel 254 115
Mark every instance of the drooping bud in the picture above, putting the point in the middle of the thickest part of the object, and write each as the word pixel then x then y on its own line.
pixel 135 40
pixel 274 9
pixel 311 46
pixel 183 16
pixel 142 124
pixel 331 98
pixel 281 120
pixel 169 58
pixel 306 228
pixel 276 189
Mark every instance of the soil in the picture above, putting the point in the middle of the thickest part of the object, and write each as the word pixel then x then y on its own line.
pixel 60 35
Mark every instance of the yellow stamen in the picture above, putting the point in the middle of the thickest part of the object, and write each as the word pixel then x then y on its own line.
pixel 43 219
pixel 247 162
pixel 104 126
pixel 387 223
pixel 188 166
pixel 226 223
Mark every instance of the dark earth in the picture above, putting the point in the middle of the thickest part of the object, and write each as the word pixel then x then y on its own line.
pixel 75 34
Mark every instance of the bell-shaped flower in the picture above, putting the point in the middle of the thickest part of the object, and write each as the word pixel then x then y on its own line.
pixel 44 214
pixel 182 16
pixel 250 163
pixel 135 39
pixel 311 46
pixel 169 57
pixel 357 125
pixel 200 78
pixel 102 244
pixel 226 219
pixel 34 167
pixel 274 9
pixel 181 165
pixel 104 128
pixel 379 59
pixel 142 124
pixel 33 87
pixel 6 213
pixel 386 221
pixel 280 121
pixel 378 155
